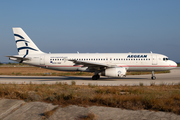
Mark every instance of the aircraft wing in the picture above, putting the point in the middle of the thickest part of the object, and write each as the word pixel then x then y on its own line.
pixel 92 65
pixel 15 57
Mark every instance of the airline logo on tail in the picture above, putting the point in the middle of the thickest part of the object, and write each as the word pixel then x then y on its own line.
pixel 26 44
pixel 26 47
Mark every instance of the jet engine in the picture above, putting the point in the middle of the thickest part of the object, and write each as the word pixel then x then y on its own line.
pixel 114 72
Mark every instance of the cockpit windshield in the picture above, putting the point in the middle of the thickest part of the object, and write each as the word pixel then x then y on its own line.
pixel 165 59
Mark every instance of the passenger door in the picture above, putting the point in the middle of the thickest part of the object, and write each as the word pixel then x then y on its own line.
pixel 154 59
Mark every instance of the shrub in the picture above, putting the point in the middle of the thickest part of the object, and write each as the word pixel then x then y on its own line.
pixel 141 84
pixel 73 83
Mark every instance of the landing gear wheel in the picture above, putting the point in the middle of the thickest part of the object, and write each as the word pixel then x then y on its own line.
pixel 95 77
pixel 98 76
pixel 153 77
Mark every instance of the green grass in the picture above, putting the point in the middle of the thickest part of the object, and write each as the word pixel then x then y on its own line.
pixel 178 65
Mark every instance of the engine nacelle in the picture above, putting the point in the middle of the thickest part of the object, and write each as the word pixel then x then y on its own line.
pixel 114 72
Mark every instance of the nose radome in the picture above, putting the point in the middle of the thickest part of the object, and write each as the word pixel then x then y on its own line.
pixel 173 64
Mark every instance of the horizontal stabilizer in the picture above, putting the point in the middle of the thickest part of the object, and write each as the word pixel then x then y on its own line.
pixel 17 58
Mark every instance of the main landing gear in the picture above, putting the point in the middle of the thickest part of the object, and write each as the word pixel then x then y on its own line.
pixel 95 77
pixel 153 77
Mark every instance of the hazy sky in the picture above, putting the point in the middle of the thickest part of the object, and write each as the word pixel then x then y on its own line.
pixel 89 26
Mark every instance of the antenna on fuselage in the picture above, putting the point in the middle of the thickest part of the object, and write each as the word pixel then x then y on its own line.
pixel 77 52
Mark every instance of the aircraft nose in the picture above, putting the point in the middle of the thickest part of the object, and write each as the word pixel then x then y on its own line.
pixel 173 64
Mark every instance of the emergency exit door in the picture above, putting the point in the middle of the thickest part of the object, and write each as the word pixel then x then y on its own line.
pixel 42 60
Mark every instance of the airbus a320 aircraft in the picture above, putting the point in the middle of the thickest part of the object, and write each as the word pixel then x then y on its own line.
pixel 104 64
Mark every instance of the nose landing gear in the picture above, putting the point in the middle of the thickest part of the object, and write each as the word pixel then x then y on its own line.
pixel 153 76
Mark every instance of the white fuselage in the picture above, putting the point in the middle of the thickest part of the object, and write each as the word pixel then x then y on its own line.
pixel 130 61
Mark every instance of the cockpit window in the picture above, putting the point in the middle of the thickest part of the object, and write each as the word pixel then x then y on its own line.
pixel 164 59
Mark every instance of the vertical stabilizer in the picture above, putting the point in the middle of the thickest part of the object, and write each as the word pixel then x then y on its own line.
pixel 24 44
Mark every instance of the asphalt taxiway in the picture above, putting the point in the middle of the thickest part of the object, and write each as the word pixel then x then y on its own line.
pixel 166 78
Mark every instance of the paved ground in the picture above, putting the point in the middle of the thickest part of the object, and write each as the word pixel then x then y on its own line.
pixel 20 110
pixel 166 78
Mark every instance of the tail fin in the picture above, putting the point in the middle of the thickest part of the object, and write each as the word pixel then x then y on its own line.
pixel 24 44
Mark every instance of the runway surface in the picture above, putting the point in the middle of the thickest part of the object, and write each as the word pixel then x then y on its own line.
pixel 165 78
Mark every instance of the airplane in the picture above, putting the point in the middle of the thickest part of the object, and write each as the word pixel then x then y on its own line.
pixel 104 64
